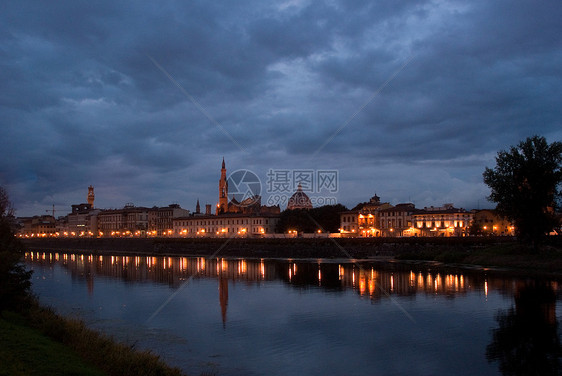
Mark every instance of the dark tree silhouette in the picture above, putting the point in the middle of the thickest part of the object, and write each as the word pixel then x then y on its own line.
pixel 15 281
pixel 525 185
pixel 527 341
pixel 325 218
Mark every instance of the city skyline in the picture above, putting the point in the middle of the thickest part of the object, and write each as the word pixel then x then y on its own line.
pixel 408 101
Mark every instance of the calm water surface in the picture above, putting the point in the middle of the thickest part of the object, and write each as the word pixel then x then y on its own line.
pixel 279 317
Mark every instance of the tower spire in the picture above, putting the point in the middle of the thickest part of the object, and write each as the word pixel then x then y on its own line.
pixel 222 206
pixel 91 196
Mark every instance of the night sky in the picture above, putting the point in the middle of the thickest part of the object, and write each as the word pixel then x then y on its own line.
pixel 410 100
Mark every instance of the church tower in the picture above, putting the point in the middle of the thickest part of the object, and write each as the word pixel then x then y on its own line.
pixel 222 206
pixel 197 208
pixel 91 196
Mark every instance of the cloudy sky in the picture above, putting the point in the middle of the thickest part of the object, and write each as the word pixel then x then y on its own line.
pixel 410 100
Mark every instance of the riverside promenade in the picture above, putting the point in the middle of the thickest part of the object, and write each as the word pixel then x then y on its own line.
pixel 292 248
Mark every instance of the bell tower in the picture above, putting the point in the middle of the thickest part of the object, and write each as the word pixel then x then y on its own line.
pixel 91 196
pixel 222 206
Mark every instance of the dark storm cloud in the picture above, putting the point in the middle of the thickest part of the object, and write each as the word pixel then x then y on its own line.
pixel 83 102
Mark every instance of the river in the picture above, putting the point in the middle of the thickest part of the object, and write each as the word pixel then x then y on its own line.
pixel 316 317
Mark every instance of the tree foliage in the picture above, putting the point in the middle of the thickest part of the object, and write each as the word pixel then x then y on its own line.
pixel 525 184
pixel 325 218
pixel 15 281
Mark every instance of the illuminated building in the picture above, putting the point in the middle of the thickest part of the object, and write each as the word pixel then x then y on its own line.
pixel 160 220
pixel 82 221
pixel 364 219
pixel 250 205
pixel 37 226
pixel 397 220
pixel 222 206
pixel 91 196
pixel 225 225
pixel 489 222
pixel 129 221
pixel 442 221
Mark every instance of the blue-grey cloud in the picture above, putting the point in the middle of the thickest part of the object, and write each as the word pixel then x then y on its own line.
pixel 82 101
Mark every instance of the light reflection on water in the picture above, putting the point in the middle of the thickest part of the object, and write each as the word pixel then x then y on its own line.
pixel 276 317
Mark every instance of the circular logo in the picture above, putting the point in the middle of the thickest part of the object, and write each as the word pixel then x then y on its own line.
pixel 244 188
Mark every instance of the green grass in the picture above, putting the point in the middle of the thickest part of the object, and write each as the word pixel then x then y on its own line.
pixel 103 352
pixel 26 351
pixel 37 341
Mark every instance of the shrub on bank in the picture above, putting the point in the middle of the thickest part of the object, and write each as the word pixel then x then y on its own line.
pixel 98 349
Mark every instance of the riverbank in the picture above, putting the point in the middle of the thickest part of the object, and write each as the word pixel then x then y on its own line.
pixel 295 248
pixel 513 256
pixel 40 342
pixel 498 252
pixel 26 351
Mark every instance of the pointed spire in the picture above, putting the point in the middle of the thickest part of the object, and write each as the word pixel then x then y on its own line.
pixel 223 166
pixel 197 207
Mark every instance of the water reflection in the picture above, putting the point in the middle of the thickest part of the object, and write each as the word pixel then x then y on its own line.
pixel 527 341
pixel 367 280
pixel 321 315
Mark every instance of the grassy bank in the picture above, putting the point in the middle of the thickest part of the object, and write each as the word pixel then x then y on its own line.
pixel 40 342
pixel 507 255
pixel 27 351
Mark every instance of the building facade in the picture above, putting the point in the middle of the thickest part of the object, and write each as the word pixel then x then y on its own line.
pixel 37 226
pixel 129 221
pixel 397 220
pixel 225 225
pixel 442 221
pixel 364 219
pixel 490 223
pixel 160 220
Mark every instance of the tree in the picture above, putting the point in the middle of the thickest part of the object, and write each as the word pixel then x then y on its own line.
pixel 525 185
pixel 325 218
pixel 15 281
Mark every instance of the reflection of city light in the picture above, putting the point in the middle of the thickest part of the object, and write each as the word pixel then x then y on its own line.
pixel 362 283
pixel 486 288
pixel 391 283
pixel 262 269
pixel 438 282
